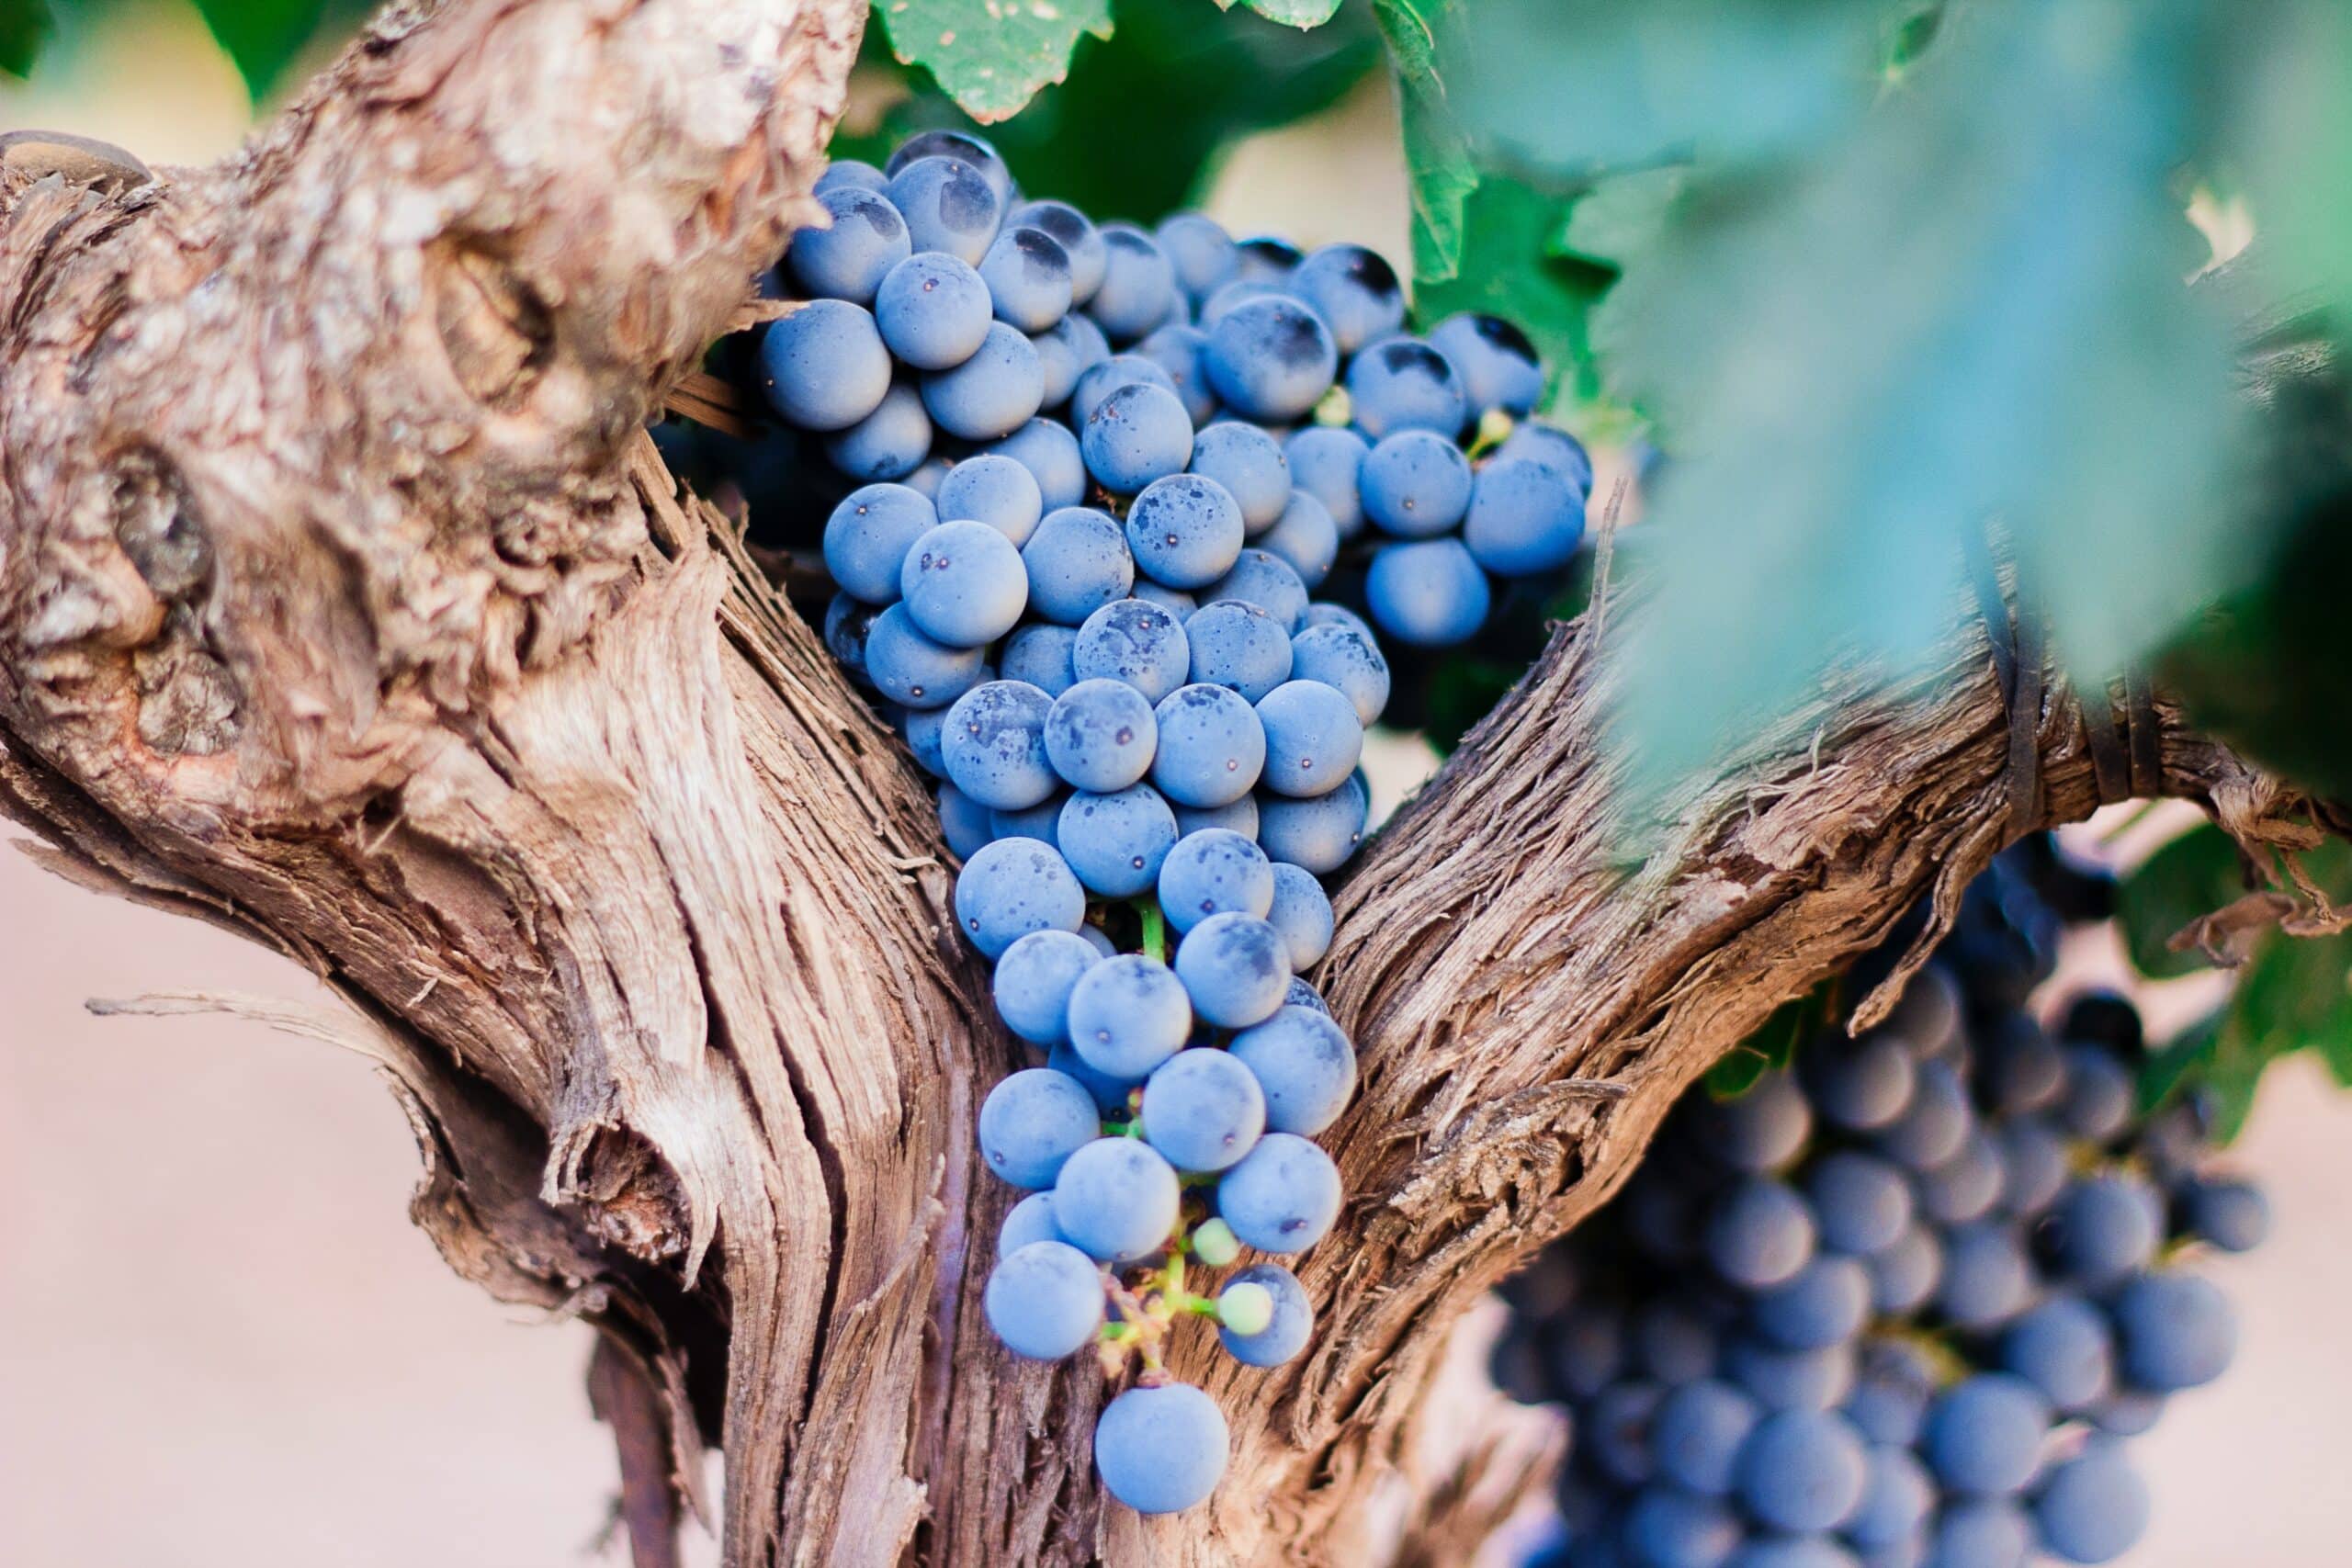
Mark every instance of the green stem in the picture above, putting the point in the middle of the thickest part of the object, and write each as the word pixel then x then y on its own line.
pixel 1155 930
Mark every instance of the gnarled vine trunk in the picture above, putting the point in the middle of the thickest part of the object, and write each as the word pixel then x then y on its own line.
pixel 342 601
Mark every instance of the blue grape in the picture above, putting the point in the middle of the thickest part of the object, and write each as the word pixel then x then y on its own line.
pixel 1034 980
pixel 1987 1279
pixel 2101 1229
pixel 1114 841
pixel 1430 594
pixel 1211 873
pixel 1614 1432
pixel 2099 1098
pixel 1028 275
pixel 1328 614
pixel 1041 821
pixel 2033 1165
pixel 1416 484
pixel 1184 531
pixel 1135 641
pixel 1524 519
pixel 1175 601
pixel 1265 258
pixel 1112 1094
pixel 1076 562
pixel 1983 1436
pixel 922 727
pixel 1328 464
pixel 1269 582
pixel 1292 1325
pixel 1553 446
pixel 1673 1529
pixel 888 444
pixel 1303 1061
pixel 912 669
pixel 2176 1331
pixel 1791 1380
pixel 994 490
pixel 1079 238
pixel 1250 464
pixel 824 366
pixel 1700 1429
pixel 1317 834
pixel 2094 1506
pixel 964 584
pixel 1222 300
pixel 995 745
pixel 2064 1347
pixel 1405 384
pixel 957 144
pixel 1233 967
pixel 2019 1069
pixel 1108 375
pixel 1138 433
pixel 1981 1532
pixel 1966 1186
pixel 991 394
pixel 1499 367
pixel 847 625
pixel 1675 1341
pixel 1935 1122
pixel 1202 254
pixel 1860 1202
pixel 1305 538
pixel 2126 1413
pixel 1313 737
pixel 1889 1404
pixel 1234 817
pixel 1906 1272
pixel 1589 1350
pixel 1825 1302
pixel 1138 289
pixel 846 260
pixel 1203 1109
pixel 1116 1200
pixel 1862 1085
pixel 1762 1130
pixel 1802 1469
pixel 1044 1301
pixel 1032 1219
pixel 1760 1234
pixel 1042 655
pixel 1301 911
pixel 1100 735
pixel 1127 1015
pixel 1355 290
pixel 1348 660
pixel 1302 995
pixel 1270 359
pixel 1011 887
pixel 1212 748
pixel 933 310
pixel 927 478
pixel 1796 1551
pixel 1034 1121
pixel 1047 449
pixel 948 205
pixel 1239 647
pixel 1897 1497
pixel 2233 1215
pixel 1161 1449
pixel 1282 1197
pixel 1176 348
pixel 1066 351
pixel 848 173
pixel 964 822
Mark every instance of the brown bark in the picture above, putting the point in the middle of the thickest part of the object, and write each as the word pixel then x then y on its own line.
pixel 341 603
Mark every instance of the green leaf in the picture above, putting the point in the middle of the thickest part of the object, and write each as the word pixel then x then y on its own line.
pixel 1619 218
pixel 1512 266
pixel 992 56
pixel 2292 140
pixel 25 26
pixel 2191 877
pixel 1295 13
pixel 1195 77
pixel 1973 308
pixel 1580 86
pixel 262 37
pixel 1774 1043
pixel 1438 161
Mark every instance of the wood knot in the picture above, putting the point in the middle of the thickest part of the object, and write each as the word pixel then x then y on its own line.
pixel 495 326
pixel 77 160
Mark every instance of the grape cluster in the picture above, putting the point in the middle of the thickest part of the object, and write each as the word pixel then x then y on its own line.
pixel 1172 415
pixel 1899 1305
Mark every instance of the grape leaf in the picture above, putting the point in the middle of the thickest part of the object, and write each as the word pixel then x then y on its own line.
pixel 1512 266
pixel 2192 876
pixel 25 26
pixel 1295 13
pixel 262 37
pixel 1420 34
pixel 992 56
pixel 1774 1043
pixel 1972 307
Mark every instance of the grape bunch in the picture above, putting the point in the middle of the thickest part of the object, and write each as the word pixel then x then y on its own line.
pixel 1172 415
pixel 1901 1303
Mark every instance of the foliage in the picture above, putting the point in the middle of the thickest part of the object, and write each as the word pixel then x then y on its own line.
pixel 1774 1043
pixel 990 58
pixel 25 26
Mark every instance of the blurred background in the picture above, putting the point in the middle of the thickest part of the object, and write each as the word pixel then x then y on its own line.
pixel 221 1343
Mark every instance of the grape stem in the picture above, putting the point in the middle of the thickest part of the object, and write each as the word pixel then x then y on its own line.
pixel 1155 930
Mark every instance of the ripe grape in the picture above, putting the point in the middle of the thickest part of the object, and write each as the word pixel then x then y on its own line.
pixel 1034 1121
pixel 2175 1330
pixel 1301 911
pixel 1201 1110
pixel 991 394
pixel 1138 288
pixel 1176 348
pixel 1266 582
pixel 1042 655
pixel 912 669
pixel 1138 433
pixel 1047 449
pixel 994 490
pixel 1161 1449
pixel 1028 275
pixel 1802 1470
pixel 1239 646
pixel 1328 464
pixel 1045 1300
pixel 1701 1427
pixel 1524 518
pixel 1313 737
pixel 1304 538
pixel 1211 873
pixel 1011 887
pixel 995 745
pixel 1317 834
pixel 1184 531
pixel 1034 980
pixel 888 444
pixel 1984 1435
pixel 960 145
pixel 1100 735
pixel 948 205
pixel 1270 359
pixel 1355 290
pixel 1282 1196
pixel 1250 464
pixel 1234 968
pixel 1500 368
pixel 1115 1199
pixel 1127 1015
pixel 1199 250
pixel 1405 384
pixel 1032 1219
pixel 1076 234
pixel 933 310
pixel 1346 659
pixel 1212 748
pixel 1109 374
pixel 1304 1063
pixel 1430 594
pixel 864 238
pixel 1135 641
pixel 1115 841
pixel 2094 1506
pixel 1076 563
pixel 963 584
pixel 824 366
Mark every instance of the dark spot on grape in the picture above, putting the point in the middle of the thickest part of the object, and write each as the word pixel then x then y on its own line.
pixel 1121 239
pixel 1137 863
pixel 1126 734
pixel 914 691
pixel 882 218
pixel 967 200
pixel 1504 335
pixel 1405 357
pixel 1371 269
pixel 1042 256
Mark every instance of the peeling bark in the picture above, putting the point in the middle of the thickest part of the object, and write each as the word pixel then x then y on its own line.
pixel 342 604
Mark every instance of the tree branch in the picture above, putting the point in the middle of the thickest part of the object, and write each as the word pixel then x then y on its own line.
pixel 339 603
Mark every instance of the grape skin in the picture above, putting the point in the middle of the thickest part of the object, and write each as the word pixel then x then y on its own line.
pixel 1405 384
pixel 963 584
pixel 1282 1196
pixel 1034 980
pixel 995 746
pixel 1328 464
pixel 1211 873
pixel 1032 1219
pixel 1045 1300
pixel 1212 748
pixel 1135 641
pixel 1203 1111
pixel 948 205
pixel 1139 288
pixel 1347 660
pixel 1250 464
pixel 1266 582
pixel 1127 1015
pixel 933 311
pixel 1011 887
pixel 1076 563
pixel 1313 737
pixel 1047 449
pixel 1301 911
pixel 912 669
pixel 1317 834
pixel 1115 841
pixel 1028 275
pixel 863 239
pixel 1138 433
pixel 1184 531
pixel 1305 538
pixel 1034 1121
pixel 824 366
pixel 1305 1065
pixel 1430 594
pixel 1239 646
pixel 1100 736
pixel 991 394
pixel 994 490
pixel 1234 968
pixel 1270 359
pixel 888 444
pixel 1043 656
pixel 1161 1451
pixel 1115 1200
